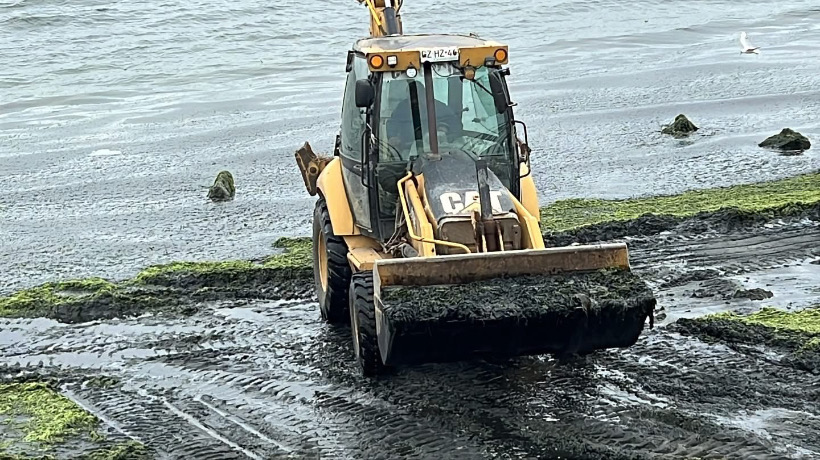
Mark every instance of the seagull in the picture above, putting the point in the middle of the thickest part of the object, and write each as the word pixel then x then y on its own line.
pixel 747 47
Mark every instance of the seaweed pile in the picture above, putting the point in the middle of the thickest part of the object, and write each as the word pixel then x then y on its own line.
pixel 720 209
pixel 38 415
pixel 176 288
pixel 794 335
pixel 561 314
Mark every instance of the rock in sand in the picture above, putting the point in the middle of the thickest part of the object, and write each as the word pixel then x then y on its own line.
pixel 787 139
pixel 680 127
pixel 223 188
pixel 753 294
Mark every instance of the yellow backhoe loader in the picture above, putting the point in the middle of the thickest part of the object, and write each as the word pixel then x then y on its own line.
pixel 430 184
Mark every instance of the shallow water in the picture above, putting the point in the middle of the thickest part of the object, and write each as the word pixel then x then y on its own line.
pixel 116 116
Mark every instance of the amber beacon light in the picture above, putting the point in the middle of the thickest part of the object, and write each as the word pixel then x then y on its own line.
pixel 376 61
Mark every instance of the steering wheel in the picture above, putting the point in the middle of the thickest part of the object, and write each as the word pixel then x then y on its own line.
pixel 455 137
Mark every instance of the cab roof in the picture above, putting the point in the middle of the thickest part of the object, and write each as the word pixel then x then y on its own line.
pixel 401 52
pixel 419 42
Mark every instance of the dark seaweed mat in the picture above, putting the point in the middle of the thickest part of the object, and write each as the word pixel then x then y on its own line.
pixel 557 314
pixel 793 344
pixel 520 297
pixel 722 220
pixel 178 293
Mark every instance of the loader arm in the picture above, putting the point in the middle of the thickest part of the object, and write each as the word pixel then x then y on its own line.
pixel 384 17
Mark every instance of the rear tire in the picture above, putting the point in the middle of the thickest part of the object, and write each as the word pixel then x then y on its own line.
pixel 331 270
pixel 363 325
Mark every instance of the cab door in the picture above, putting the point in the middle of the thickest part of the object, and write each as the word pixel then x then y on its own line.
pixel 352 145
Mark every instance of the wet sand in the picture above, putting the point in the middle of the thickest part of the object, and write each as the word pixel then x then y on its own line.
pixel 268 379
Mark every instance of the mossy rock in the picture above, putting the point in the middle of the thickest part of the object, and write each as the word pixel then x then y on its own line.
pixel 787 140
pixel 681 127
pixel 223 188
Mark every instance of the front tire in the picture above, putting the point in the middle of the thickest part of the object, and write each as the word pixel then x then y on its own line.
pixel 331 270
pixel 363 325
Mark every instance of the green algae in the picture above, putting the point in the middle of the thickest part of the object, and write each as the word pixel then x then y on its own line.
pixel 812 345
pixel 38 300
pixel 573 213
pixel 166 287
pixel 796 333
pixel 298 253
pixel 804 321
pixel 155 273
pixel 43 415
pixel 297 256
pixel 44 421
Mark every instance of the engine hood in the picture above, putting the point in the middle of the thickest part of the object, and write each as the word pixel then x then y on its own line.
pixel 451 184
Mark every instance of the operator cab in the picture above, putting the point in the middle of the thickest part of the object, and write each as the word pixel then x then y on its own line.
pixel 413 97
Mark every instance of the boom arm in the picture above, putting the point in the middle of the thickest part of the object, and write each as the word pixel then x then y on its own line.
pixel 384 17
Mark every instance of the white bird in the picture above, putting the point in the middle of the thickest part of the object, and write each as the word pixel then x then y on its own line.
pixel 747 47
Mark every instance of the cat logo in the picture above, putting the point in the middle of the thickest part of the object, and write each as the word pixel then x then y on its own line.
pixel 453 203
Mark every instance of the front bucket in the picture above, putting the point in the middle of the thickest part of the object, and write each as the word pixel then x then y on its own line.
pixel 557 300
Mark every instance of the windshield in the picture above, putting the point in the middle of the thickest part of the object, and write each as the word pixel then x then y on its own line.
pixel 466 118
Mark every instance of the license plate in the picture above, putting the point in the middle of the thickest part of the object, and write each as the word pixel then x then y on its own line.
pixel 440 54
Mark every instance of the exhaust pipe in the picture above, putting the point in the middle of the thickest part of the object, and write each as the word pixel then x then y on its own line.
pixel 391 22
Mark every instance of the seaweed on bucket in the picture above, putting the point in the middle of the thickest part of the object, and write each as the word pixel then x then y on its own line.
pixel 561 314
pixel 519 297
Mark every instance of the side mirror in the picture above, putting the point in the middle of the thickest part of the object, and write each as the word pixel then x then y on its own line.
pixel 365 94
pixel 500 97
pixel 523 152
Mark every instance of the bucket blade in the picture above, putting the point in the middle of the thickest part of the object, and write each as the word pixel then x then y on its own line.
pixel 464 268
pixel 557 300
